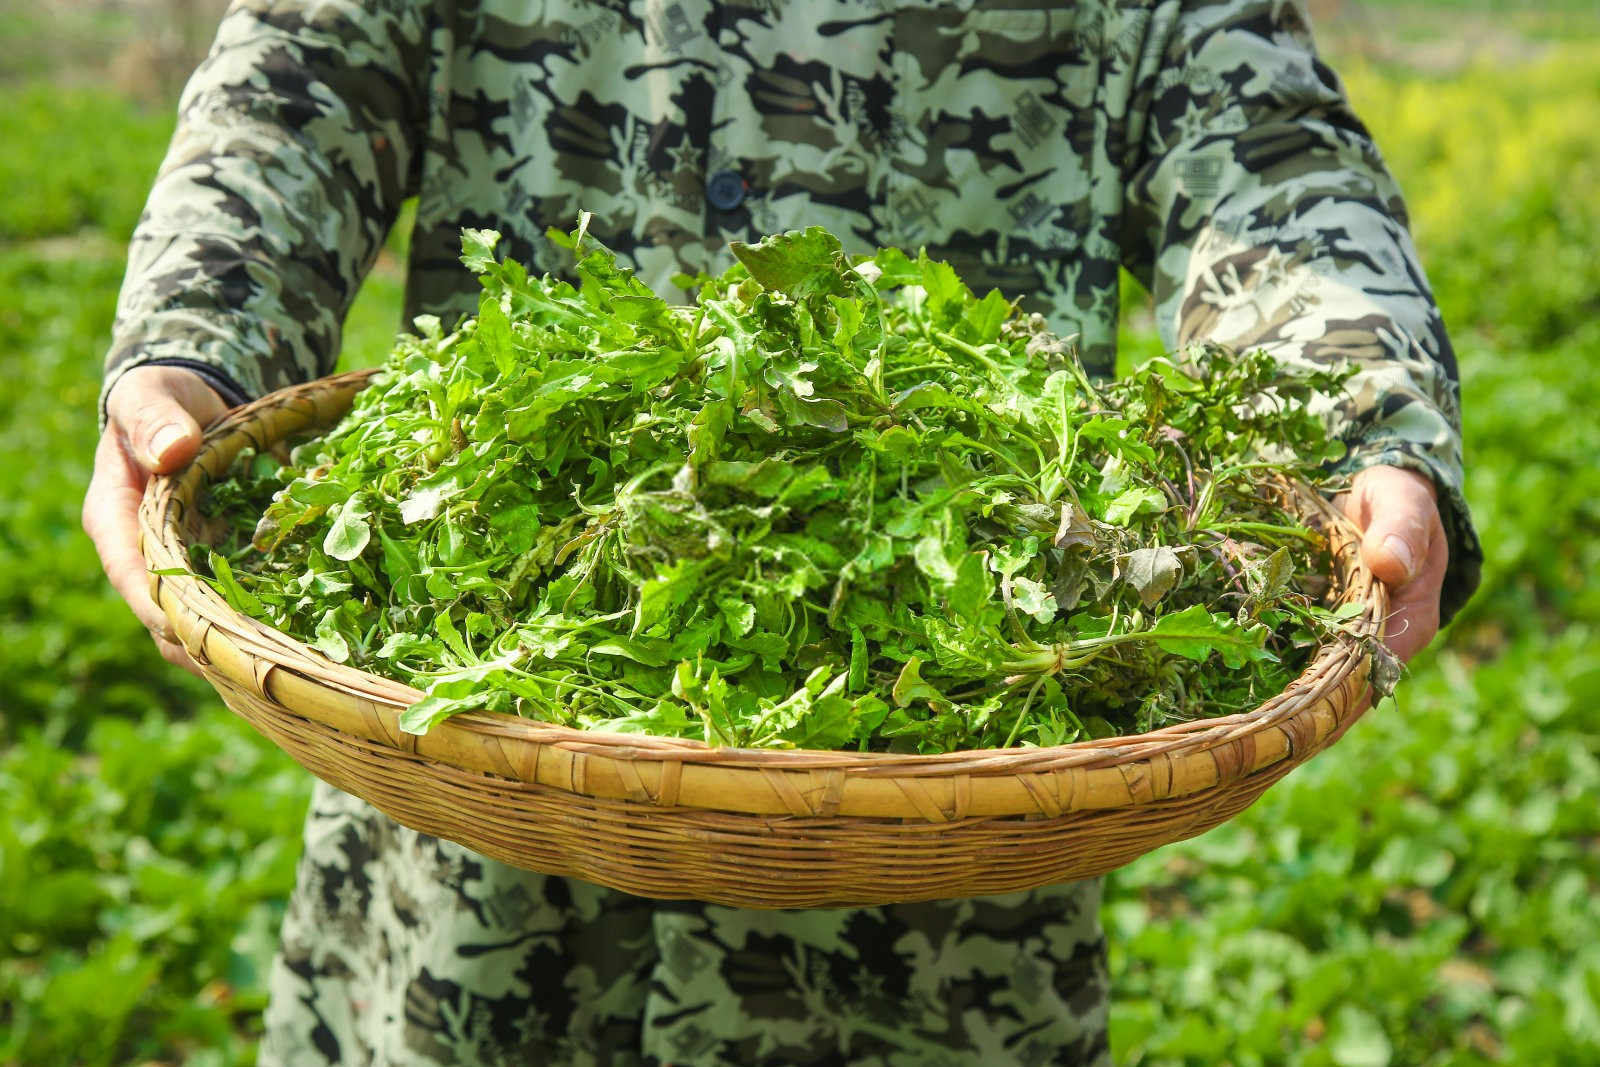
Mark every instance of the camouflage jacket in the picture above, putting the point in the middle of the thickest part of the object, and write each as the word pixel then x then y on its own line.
pixel 1036 145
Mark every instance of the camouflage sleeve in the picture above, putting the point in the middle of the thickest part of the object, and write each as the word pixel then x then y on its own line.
pixel 1264 217
pixel 295 144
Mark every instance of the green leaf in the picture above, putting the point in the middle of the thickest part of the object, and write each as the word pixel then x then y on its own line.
pixel 1269 578
pixel 1152 572
pixel 348 536
pixel 791 375
pixel 1032 598
pixel 899 442
pixel 1194 633
pixel 400 644
pixel 932 560
pixel 831 721
pixel 707 431
pixel 763 478
pixel 850 318
pixel 317 493
pixel 859 658
pixel 821 412
pixel 443 701
pixel 423 504
pixel 797 264
pixel 943 284
pixel 399 559
pixel 639 649
pixel 232 591
pixel 446 629
pixel 1008 559
pixel 909 686
pixel 925 395
pixel 741 616
pixel 477 249
pixel 984 318
pixel 495 337
pixel 328 640
pixel 1132 502
pixel 661 596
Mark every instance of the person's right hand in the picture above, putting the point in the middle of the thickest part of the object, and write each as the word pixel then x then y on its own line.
pixel 154 416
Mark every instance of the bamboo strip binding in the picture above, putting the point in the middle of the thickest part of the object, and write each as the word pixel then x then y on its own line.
pixel 671 818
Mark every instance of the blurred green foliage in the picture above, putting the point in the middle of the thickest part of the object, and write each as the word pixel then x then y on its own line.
pixel 1422 894
pixel 77 160
pixel 147 837
pixel 1499 169
pixel 145 873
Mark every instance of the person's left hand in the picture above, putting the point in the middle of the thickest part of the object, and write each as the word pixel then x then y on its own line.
pixel 1404 544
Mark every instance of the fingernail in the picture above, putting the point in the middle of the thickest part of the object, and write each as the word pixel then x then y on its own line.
pixel 163 439
pixel 1402 551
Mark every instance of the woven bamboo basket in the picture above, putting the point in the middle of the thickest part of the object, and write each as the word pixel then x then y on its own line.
pixel 677 819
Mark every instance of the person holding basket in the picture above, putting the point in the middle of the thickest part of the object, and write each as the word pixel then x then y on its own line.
pixel 1037 147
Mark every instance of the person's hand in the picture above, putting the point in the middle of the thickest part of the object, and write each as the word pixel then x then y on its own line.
pixel 154 416
pixel 1404 543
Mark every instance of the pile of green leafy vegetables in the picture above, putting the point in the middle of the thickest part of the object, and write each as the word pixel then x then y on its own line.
pixel 837 502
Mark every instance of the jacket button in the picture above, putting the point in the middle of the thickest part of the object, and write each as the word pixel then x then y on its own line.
pixel 725 190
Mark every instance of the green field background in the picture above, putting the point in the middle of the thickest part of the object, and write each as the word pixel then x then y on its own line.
pixel 1422 894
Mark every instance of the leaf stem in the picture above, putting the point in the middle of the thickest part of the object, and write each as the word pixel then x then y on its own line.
pixel 1307 536
pixel 1027 704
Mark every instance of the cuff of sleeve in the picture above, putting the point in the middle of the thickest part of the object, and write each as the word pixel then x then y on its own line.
pixel 1465 568
pixel 218 378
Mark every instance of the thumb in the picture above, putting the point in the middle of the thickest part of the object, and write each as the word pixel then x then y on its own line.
pixel 1401 518
pixel 166 438
pixel 156 411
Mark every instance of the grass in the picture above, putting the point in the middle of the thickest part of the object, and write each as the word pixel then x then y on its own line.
pixel 1422 894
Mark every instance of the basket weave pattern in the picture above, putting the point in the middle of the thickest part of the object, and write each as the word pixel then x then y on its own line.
pixel 672 818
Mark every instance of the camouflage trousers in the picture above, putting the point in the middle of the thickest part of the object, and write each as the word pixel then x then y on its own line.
pixel 402 949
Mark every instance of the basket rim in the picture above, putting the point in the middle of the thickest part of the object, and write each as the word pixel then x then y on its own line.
pixel 1311 712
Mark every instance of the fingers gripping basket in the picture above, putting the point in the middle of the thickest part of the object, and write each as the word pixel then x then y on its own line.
pixel 750 828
